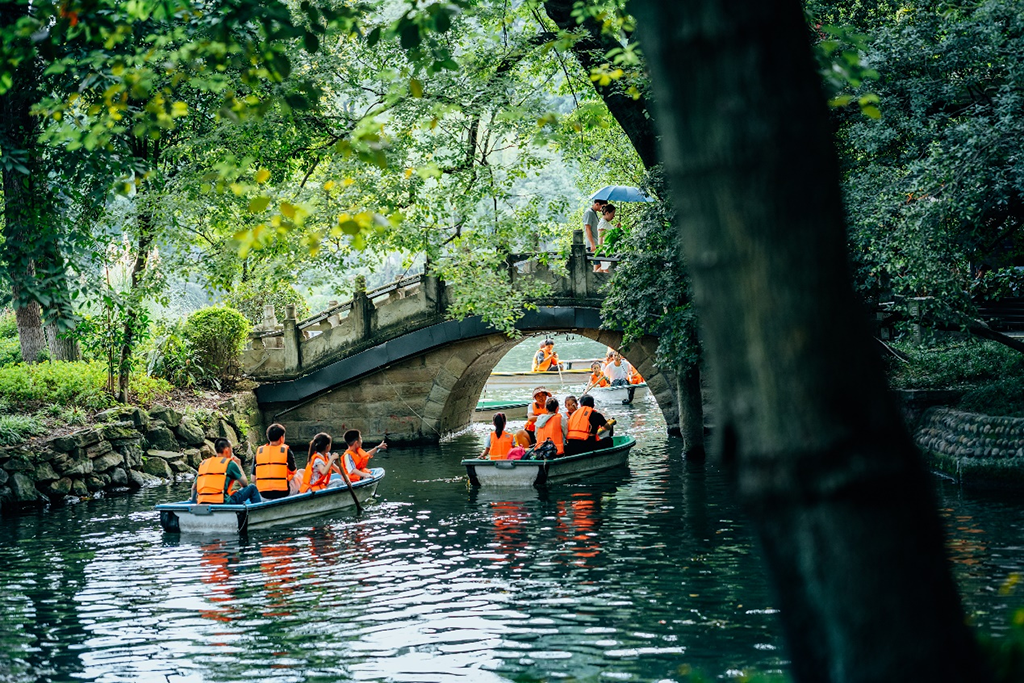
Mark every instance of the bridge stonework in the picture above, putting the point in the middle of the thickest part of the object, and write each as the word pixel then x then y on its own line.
pixel 389 362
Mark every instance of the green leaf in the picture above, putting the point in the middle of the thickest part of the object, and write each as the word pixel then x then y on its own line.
pixel 871 111
pixel 258 204
pixel 374 37
pixel 410 36
pixel 415 87
pixel 312 42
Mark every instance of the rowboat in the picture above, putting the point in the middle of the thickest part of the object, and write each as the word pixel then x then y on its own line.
pixel 514 410
pixel 618 394
pixel 515 473
pixel 501 380
pixel 205 518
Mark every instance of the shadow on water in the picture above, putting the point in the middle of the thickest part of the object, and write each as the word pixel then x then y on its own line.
pixel 627 575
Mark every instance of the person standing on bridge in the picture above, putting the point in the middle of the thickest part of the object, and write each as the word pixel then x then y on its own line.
pixel 591 219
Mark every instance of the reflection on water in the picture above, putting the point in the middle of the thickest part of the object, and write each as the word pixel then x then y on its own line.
pixel 629 575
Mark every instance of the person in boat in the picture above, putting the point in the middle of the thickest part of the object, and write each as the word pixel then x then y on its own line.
pixel 321 471
pixel 588 429
pixel 597 378
pixel 499 442
pixel 535 410
pixel 549 426
pixel 355 461
pixel 545 360
pixel 219 475
pixel 273 470
pixel 571 406
pixel 617 371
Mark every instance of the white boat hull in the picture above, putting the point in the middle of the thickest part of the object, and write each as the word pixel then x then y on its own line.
pixel 618 394
pixel 521 473
pixel 529 380
pixel 207 519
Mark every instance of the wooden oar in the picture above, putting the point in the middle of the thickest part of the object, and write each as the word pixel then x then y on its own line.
pixel 344 475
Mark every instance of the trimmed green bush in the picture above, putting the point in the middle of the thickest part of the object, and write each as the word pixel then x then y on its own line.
pixel 249 298
pixel 956 365
pixel 218 335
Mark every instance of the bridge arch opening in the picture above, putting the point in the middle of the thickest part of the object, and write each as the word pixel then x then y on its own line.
pixel 425 385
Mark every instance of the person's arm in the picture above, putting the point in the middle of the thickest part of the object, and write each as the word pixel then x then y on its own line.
pixel 382 446
pixel 195 485
pixel 238 467
pixel 291 461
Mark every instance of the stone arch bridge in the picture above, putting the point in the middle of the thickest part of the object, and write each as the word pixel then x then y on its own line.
pixel 390 361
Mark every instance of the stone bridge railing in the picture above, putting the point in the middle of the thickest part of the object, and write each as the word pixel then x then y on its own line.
pixel 296 347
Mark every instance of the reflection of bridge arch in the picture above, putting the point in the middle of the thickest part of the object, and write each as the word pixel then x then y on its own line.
pixel 399 367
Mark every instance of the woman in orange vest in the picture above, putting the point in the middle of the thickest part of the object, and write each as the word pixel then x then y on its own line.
pixel 536 409
pixel 545 360
pixel 322 467
pixel 218 476
pixel 549 426
pixel 499 442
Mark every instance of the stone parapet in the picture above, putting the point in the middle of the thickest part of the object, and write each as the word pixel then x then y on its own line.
pixel 976 449
pixel 125 449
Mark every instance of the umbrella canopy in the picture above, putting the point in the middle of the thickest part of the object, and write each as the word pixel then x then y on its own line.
pixel 620 193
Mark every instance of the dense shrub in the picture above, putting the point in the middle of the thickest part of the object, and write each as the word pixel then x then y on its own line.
pixel 249 298
pixel 10 347
pixel 15 429
pixel 78 383
pixel 218 335
pixel 955 365
pixel 170 356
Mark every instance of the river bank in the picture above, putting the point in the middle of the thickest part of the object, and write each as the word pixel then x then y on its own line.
pixel 122 449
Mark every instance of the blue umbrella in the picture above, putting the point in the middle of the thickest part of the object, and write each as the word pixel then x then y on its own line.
pixel 620 193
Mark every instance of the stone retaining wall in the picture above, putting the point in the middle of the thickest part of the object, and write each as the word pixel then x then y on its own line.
pixel 975 449
pixel 126 449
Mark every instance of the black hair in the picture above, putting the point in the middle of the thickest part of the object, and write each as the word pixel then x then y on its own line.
pixel 351 436
pixel 587 400
pixel 607 207
pixel 321 443
pixel 499 423
pixel 552 405
pixel 275 432
pixel 570 397
pixel 220 444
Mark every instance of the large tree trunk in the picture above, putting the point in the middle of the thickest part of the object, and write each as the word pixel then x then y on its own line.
pixel 834 486
pixel 591 51
pixel 18 139
pixel 62 347
pixel 130 335
pixel 691 412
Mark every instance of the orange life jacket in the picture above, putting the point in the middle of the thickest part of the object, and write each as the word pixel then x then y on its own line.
pixel 311 479
pixel 552 429
pixel 579 424
pixel 272 473
pixel 500 446
pixel 545 364
pixel 634 376
pixel 354 460
pixel 598 379
pixel 210 485
pixel 538 409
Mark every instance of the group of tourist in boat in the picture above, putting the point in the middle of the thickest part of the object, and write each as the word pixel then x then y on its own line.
pixel 614 371
pixel 581 429
pixel 221 478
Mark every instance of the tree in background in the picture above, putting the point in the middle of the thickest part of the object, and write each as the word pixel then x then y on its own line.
pixel 835 487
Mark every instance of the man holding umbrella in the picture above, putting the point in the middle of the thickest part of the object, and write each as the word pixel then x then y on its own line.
pixel 591 218
pixel 611 193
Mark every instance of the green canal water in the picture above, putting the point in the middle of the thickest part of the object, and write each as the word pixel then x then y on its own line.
pixel 634 575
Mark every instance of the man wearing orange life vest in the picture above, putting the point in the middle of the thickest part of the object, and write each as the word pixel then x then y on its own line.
pixel 584 427
pixel 217 474
pixel 549 426
pixel 355 460
pixel 535 410
pixel 273 469
pixel 545 360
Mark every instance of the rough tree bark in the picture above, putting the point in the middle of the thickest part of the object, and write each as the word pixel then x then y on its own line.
pixel 834 485
pixel 18 137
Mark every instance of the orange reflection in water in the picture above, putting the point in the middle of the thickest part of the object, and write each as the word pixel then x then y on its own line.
pixel 509 523
pixel 965 539
pixel 218 574
pixel 278 567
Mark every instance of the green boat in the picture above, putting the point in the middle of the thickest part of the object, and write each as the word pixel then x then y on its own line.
pixel 514 410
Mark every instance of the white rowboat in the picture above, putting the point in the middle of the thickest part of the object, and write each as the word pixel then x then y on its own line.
pixel 204 518
pixel 520 473
pixel 618 394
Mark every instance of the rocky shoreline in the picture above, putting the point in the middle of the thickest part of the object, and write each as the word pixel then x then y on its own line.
pixel 125 449
pixel 975 449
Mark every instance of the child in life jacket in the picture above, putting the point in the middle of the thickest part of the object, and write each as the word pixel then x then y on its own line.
pixel 321 470
pixel 499 442
pixel 550 426
pixel 355 460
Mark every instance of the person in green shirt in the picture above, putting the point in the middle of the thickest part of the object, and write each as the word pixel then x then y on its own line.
pixel 221 479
